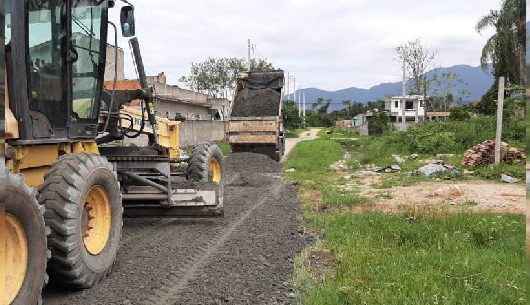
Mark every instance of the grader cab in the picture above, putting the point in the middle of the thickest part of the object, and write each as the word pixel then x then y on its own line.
pixel 69 178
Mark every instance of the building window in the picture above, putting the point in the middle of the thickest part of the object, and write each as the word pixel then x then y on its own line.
pixel 396 104
pixel 409 105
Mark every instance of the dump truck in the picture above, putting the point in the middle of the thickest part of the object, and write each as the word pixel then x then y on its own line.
pixel 69 180
pixel 256 123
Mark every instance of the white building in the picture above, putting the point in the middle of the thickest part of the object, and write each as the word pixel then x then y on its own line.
pixel 410 107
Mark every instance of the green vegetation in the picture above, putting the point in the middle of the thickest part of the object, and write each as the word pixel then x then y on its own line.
pixel 505 50
pixel 225 148
pixel 420 259
pixel 429 140
pixel 311 160
pixel 413 257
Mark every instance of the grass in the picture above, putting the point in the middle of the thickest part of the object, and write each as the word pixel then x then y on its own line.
pixel 311 160
pixel 415 257
pixel 426 259
pixel 225 148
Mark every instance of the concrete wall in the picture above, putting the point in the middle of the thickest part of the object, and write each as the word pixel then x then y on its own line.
pixel 188 111
pixel 197 132
pixel 181 94
pixel 109 67
pixel 192 133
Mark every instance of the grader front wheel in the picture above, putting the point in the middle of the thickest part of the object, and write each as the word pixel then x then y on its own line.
pixel 23 250
pixel 84 210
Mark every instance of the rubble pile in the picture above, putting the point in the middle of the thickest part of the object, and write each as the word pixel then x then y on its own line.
pixel 484 154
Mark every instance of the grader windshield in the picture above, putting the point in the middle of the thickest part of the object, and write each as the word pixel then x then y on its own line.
pixel 66 45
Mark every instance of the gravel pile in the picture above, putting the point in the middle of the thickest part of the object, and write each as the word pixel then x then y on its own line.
pixel 257 103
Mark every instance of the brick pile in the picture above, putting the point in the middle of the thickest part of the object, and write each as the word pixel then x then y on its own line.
pixel 484 154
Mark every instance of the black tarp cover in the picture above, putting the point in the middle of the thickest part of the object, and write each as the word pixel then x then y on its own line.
pixel 259 95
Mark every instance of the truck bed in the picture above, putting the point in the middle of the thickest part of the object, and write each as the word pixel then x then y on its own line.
pixel 253 130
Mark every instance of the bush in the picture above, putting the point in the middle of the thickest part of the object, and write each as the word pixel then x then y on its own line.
pixel 379 123
pixel 459 114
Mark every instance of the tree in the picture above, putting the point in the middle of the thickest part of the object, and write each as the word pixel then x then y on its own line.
pixel 418 60
pixel 217 77
pixel 291 119
pixel 505 50
pixel 443 87
pixel 379 123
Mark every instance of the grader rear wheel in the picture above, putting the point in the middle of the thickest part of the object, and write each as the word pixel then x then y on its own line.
pixel 206 166
pixel 23 238
pixel 84 210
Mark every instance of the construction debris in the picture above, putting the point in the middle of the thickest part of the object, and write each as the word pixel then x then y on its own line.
pixel 437 168
pixel 389 169
pixel 509 179
pixel 484 154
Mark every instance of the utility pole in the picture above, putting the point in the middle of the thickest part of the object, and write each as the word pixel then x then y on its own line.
pixel 296 101
pixel 303 121
pixel 248 57
pixel 404 85
pixel 500 110
pixel 402 100
pixel 287 85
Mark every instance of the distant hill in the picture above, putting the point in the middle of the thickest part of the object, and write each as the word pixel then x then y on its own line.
pixel 475 81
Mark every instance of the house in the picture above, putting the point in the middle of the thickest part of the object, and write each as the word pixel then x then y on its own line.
pixel 406 110
pixel 173 101
pixel 359 120
pixel 115 58
pixel 410 107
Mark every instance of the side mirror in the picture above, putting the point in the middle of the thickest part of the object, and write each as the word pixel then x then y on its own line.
pixel 128 27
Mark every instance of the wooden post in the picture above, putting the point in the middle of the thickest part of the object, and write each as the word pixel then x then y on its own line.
pixel 500 110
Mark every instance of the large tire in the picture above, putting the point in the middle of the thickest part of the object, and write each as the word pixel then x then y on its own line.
pixel 200 168
pixel 82 196
pixel 23 231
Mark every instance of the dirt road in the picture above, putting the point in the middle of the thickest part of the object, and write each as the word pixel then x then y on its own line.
pixel 312 134
pixel 245 258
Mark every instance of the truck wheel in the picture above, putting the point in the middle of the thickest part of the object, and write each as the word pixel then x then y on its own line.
pixel 206 166
pixel 82 196
pixel 23 233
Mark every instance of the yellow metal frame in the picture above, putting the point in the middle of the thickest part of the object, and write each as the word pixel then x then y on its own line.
pixel 168 131
pixel 34 161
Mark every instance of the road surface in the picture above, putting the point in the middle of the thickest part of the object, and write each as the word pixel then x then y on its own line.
pixel 245 258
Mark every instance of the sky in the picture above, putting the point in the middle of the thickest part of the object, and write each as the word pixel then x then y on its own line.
pixel 330 45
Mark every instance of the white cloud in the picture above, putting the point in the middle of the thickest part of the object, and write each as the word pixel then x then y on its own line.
pixel 328 44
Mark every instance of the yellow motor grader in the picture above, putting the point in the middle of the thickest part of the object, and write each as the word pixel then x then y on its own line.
pixel 68 179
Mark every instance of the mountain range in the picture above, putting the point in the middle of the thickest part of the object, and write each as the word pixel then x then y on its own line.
pixel 473 80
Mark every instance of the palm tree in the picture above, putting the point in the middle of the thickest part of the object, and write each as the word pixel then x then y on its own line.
pixel 505 50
